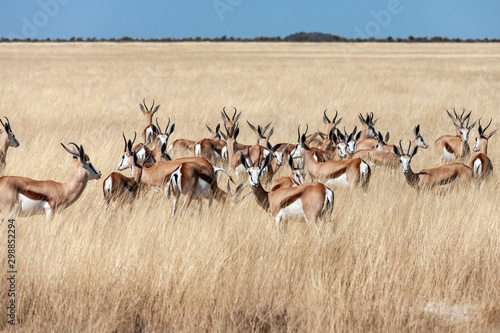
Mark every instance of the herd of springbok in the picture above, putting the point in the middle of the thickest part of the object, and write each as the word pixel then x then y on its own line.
pixel 334 158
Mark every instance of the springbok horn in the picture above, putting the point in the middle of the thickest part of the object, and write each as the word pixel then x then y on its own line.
pixel 250 158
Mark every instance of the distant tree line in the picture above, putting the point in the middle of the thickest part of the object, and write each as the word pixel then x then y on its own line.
pixel 297 37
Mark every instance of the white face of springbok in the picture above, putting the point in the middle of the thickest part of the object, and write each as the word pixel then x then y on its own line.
pixel 419 139
pixel 254 171
pixel 11 138
pixel 405 158
pixel 464 129
pixel 127 157
pixel 340 143
pixel 279 154
pixel 84 160
pixel 352 139
pixel 482 139
pixel 163 136
pixel 298 170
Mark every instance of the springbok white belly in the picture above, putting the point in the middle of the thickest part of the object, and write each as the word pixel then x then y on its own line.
pixel 29 206
pixel 447 155
pixel 338 182
pixel 294 210
pixel 203 190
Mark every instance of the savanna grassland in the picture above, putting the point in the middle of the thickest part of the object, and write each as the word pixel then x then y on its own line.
pixel 389 261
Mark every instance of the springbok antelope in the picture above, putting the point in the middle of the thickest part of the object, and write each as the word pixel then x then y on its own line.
pixel 308 201
pixel 481 163
pixel 27 196
pixel 211 149
pixel 378 144
pixel 368 128
pixel 345 173
pixel 159 174
pixel 117 187
pixel 330 125
pixel 185 146
pixel 7 139
pixel 230 123
pixel 150 133
pixel 454 147
pixel 195 183
pixel 297 179
pixel 444 176
pixel 417 141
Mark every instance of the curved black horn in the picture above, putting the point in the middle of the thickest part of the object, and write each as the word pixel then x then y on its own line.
pixel 234 115
pixel 409 146
pixel 326 117
pixel 166 128
pixel 135 135
pixel 224 112
pixel 258 158
pixel 125 139
pixel 401 147
pixel 74 153
pixel 158 126
pixel 484 129
pixel 152 106
pixel 250 158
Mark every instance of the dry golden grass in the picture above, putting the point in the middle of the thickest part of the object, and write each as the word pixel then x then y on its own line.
pixel 390 261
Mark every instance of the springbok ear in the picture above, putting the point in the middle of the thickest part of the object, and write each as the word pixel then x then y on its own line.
pixel 266 161
pixel 333 137
pixel 142 107
pixel 363 122
pixel 290 161
pixel 358 136
pixel 491 134
pixel 237 117
pixel 387 135
pixel 271 132
pixel 302 139
pixel 416 130
pixel 396 151
pixel 472 126
pixel 252 127
pixel 172 128
pixel 224 119
pixel 236 133
pixel 223 135
pixel 379 137
pixel 243 160
pixel 156 108
pixel 414 152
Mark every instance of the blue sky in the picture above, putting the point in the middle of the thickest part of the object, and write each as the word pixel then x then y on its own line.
pixel 248 18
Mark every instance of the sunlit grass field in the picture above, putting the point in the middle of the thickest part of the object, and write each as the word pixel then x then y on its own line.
pixel 390 261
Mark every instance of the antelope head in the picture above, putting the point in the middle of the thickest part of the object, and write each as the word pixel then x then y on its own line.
pixel 298 170
pixel 341 143
pixel 163 136
pixel 148 113
pixel 10 137
pixel 405 158
pixel 464 128
pixel 331 124
pixel 301 144
pixel 418 138
pixel 83 161
pixel 482 139
pixel 254 171
pixel 230 122
pixel 352 139
pixel 127 157
pixel 370 125
pixel 278 155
